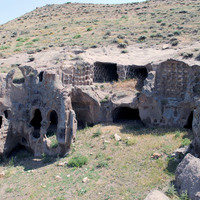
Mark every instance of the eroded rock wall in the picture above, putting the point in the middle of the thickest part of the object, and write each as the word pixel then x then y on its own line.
pixel 168 97
pixel 28 117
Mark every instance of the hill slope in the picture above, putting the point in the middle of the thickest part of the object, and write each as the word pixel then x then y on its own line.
pixel 150 23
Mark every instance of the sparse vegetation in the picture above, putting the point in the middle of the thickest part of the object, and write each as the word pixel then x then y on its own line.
pixel 78 161
pixel 89 158
pixel 97 133
pixel 185 142
pixel 88 27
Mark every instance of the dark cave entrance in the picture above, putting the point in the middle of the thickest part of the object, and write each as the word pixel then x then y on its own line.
pixel 7 114
pixel 20 151
pixel 36 123
pixel 105 72
pixel 83 114
pixel 53 118
pixel 189 121
pixel 122 114
pixel 137 73
pixel 141 73
pixel 1 121
pixel 41 76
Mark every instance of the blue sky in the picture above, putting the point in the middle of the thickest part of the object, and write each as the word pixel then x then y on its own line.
pixel 10 9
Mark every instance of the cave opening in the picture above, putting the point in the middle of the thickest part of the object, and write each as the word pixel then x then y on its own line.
pixel 189 121
pixel 19 151
pixel 1 121
pixel 141 73
pixel 121 114
pixel 105 72
pixel 7 114
pixel 83 115
pixel 41 76
pixel 36 123
pixel 53 118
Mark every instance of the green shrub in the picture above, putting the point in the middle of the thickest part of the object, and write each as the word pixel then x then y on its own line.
pixel 177 134
pixel 77 36
pixel 185 142
pixel 78 161
pixel 174 43
pixel 46 158
pixel 28 44
pixel 130 141
pixel 4 47
pixel 54 143
pixel 102 163
pixel 171 191
pixel 106 98
pixel 142 38
pixel 177 32
pixel 120 36
pixel 19 44
pixel 97 133
pixel 184 196
pixel 159 21
pixel 122 45
pixel 21 39
pixel 17 49
pixel 89 29
pixel 35 39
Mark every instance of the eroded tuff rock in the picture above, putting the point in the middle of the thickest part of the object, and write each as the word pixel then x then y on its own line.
pixel 34 109
pixel 52 99
pixel 188 177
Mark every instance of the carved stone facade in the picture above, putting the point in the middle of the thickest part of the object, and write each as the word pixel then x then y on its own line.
pixel 32 109
pixel 51 100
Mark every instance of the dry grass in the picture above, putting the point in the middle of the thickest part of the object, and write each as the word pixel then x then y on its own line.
pixel 59 25
pixel 115 170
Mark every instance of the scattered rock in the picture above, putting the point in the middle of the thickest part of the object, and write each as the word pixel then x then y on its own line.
pixel 2 174
pixel 188 177
pixel 61 164
pixel 85 180
pixel 180 152
pixel 156 155
pixel 165 46
pixel 117 137
pixel 58 178
pixel 156 195
pixel 106 141
pixel 68 175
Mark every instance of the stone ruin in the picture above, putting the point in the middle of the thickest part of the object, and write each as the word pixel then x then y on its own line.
pixel 30 111
pixel 57 100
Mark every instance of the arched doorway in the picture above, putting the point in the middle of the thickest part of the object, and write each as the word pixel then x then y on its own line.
pixel 189 121
pixel 36 123
pixel 53 118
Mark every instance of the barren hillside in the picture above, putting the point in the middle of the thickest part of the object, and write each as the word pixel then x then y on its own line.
pixel 151 23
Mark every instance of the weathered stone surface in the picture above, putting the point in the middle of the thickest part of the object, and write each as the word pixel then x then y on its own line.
pixel 29 111
pixel 188 177
pixel 165 94
pixel 156 195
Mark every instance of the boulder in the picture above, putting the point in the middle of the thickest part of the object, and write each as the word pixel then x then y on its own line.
pixel 188 177
pixel 156 195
